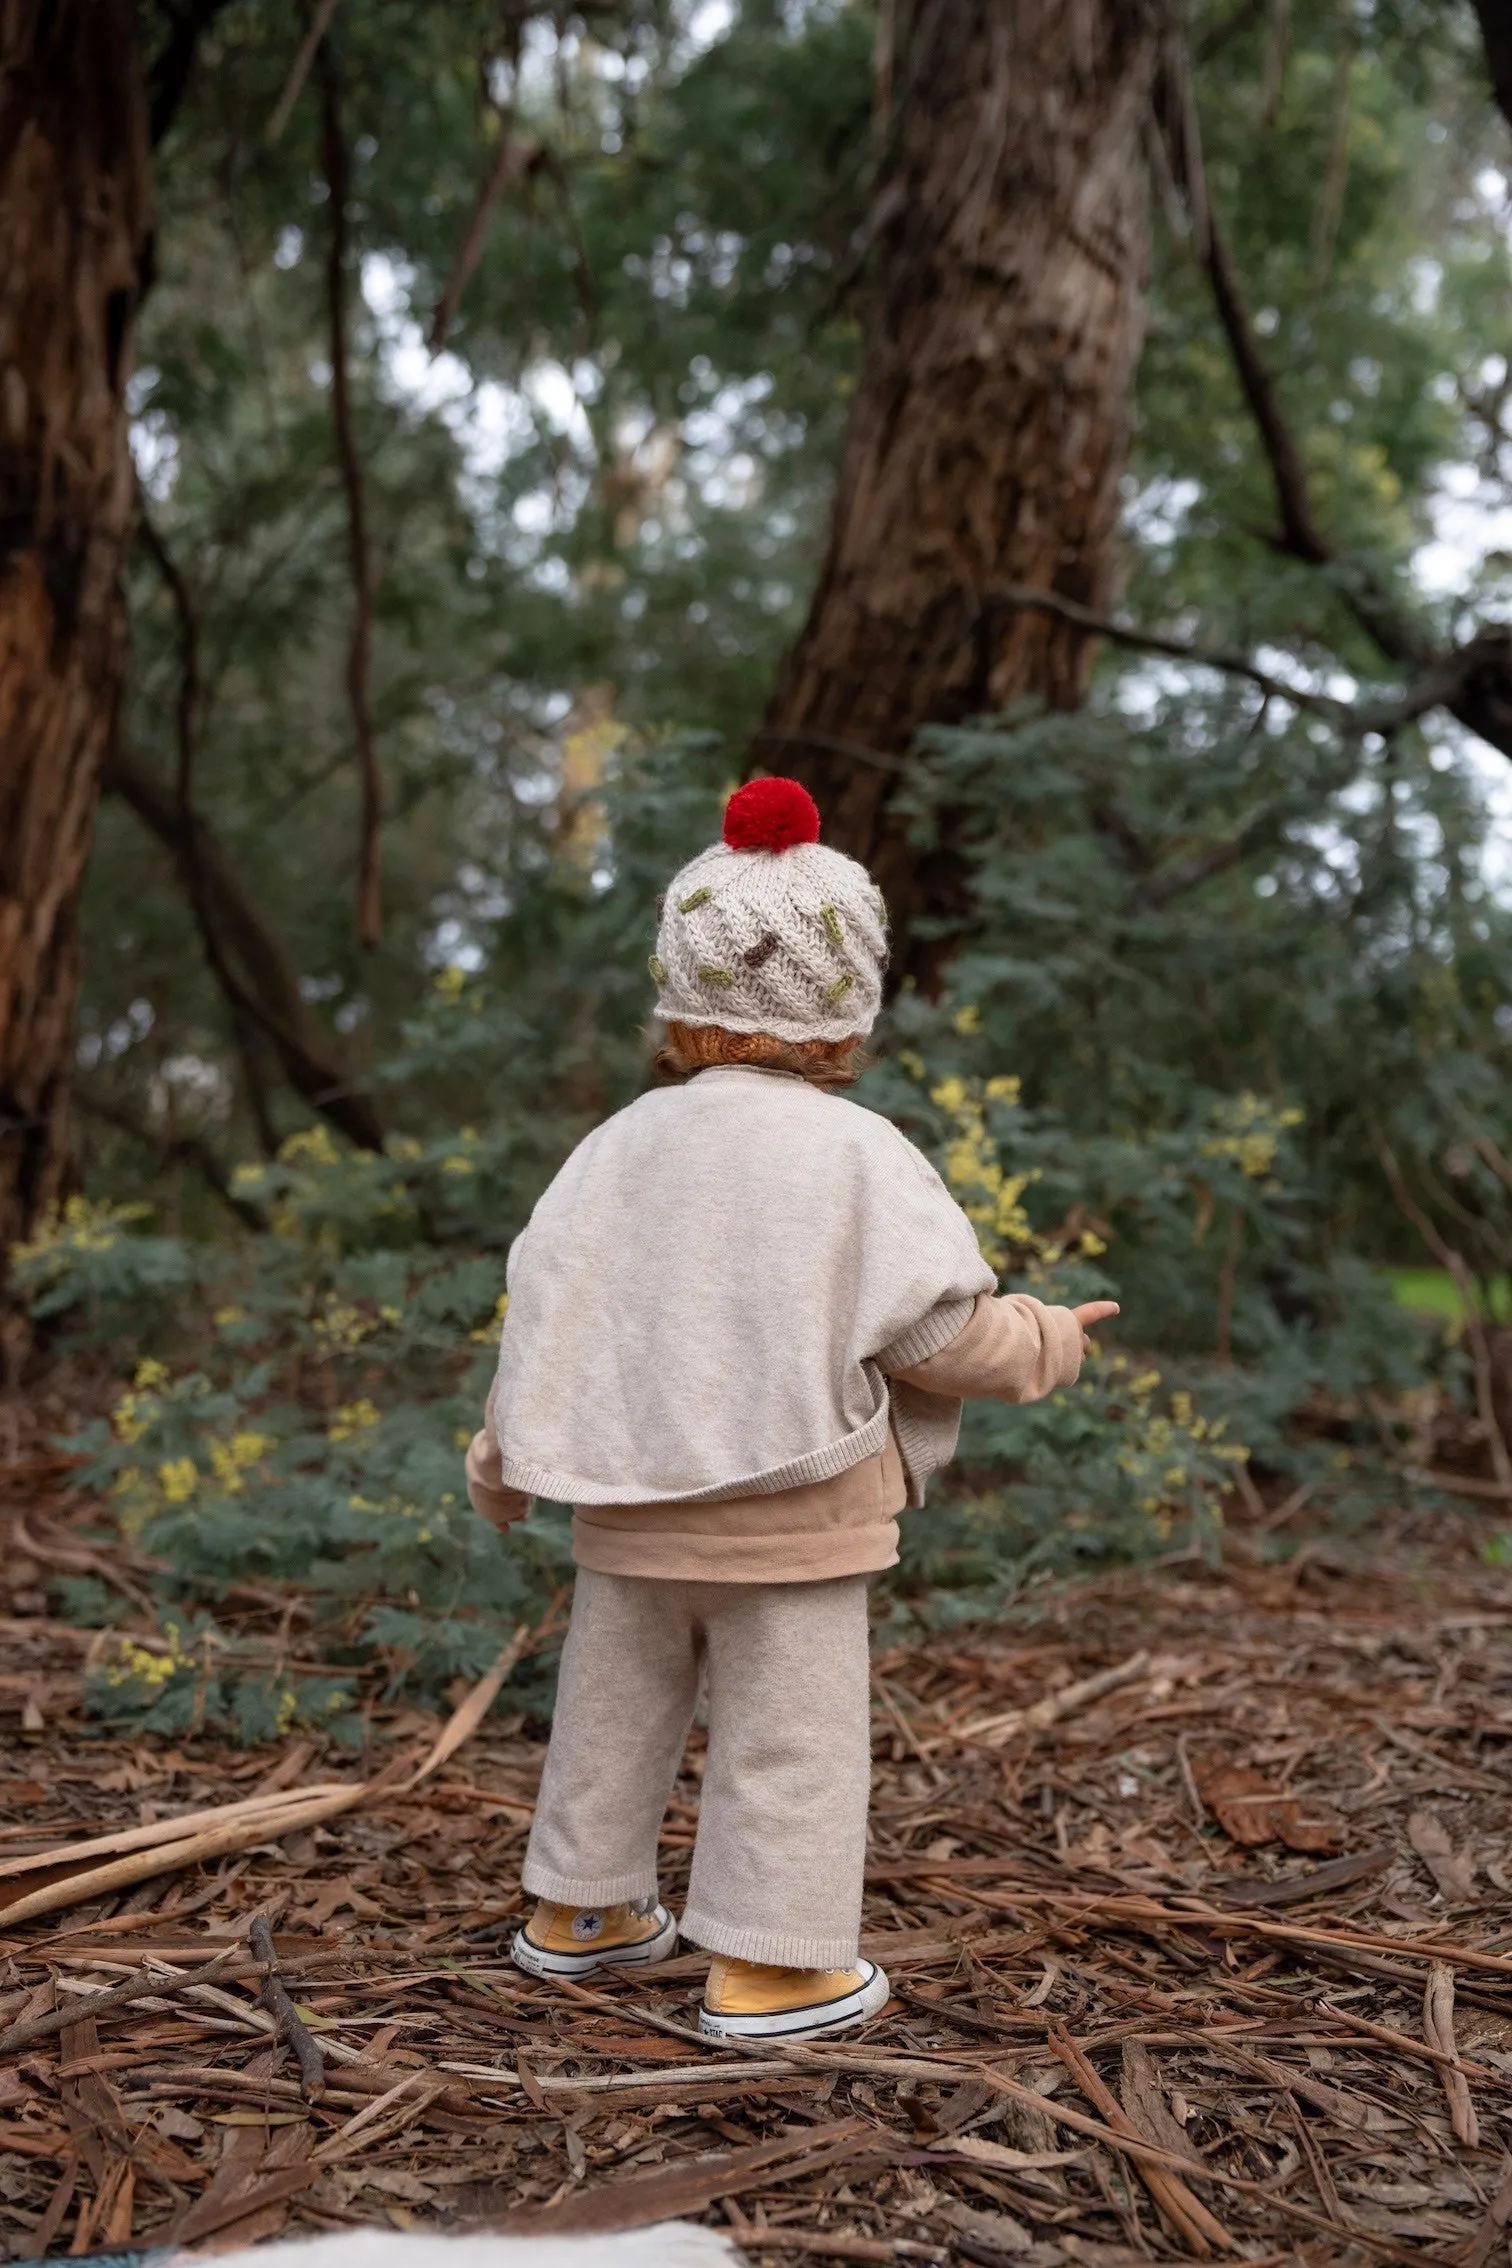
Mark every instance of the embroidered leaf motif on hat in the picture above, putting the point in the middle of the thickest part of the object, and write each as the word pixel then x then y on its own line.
pixel 694 898
pixel 840 987
pixel 715 976
pixel 832 929
pixel 658 970
pixel 762 950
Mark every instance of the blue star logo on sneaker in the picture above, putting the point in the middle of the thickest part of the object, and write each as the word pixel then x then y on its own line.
pixel 587 1925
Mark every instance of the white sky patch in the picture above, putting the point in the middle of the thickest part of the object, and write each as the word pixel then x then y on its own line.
pixel 1157 514
pixel 704 24
pixel 1472 519
pixel 489 420
pixel 154 444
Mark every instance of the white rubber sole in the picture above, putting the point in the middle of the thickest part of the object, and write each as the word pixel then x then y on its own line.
pixel 536 1961
pixel 809 2023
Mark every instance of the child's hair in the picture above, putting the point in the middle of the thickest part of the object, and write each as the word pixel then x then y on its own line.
pixel 687 1048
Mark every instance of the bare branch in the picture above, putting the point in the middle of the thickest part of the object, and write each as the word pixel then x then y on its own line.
pixel 172 66
pixel 299 69
pixel 359 663
pixel 1173 881
pixel 1300 533
pixel 179 1149
pixel 1473 682
pixel 1496 36
pixel 1397 636
pixel 514 161
pixel 244 953
pixel 187 709
pixel 1475 1330
pixel 1175 649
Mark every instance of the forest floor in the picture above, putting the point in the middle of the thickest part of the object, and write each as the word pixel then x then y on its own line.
pixel 1203 1956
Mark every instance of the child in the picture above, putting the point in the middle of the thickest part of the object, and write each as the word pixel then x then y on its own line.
pixel 740 1324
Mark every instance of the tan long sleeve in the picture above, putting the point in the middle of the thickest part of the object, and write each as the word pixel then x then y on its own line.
pixel 1014 1349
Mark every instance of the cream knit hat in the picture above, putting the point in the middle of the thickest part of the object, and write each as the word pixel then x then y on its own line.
pixel 769 931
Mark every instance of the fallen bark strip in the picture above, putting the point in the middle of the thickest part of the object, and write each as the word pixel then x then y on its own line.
pixel 1200 2231
pixel 171 1858
pixel 836 2244
pixel 169 1845
pixel 618 2082
pixel 174 1830
pixel 212 2214
pixel 1401 2044
pixel 862 2063
pixel 994 1730
pixel 667 2192
pixel 140 1987
pixel 1118 1906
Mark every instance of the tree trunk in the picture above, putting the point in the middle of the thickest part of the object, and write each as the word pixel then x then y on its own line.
pixel 992 411
pixel 75 223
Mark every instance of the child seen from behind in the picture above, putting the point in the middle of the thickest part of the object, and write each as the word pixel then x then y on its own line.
pixel 741 1324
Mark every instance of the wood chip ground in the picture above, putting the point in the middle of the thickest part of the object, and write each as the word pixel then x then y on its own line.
pixel 1214 1959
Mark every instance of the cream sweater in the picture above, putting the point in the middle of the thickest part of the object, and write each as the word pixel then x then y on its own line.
pixel 740 1324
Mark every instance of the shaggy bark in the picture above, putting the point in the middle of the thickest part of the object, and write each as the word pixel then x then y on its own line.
pixel 991 419
pixel 76 222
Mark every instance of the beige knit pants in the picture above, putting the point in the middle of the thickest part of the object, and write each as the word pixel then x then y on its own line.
pixel 781 1842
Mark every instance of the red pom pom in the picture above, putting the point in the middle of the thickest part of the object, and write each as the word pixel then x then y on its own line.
pixel 773 815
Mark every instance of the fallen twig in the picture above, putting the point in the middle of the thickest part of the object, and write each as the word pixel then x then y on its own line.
pixel 312 2078
pixel 1438 2031
pixel 144 1985
pixel 994 1730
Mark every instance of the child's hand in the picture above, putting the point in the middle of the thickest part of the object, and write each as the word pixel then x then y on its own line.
pixel 1094 1311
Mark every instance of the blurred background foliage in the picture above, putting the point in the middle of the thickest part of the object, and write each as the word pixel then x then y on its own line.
pixel 1228 1015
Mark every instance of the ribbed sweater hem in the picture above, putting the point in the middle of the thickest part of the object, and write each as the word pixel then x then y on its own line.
pixel 817 1465
pixel 587 1889
pixel 777 1947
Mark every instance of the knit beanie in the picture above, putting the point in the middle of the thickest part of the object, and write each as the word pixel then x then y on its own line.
pixel 770 931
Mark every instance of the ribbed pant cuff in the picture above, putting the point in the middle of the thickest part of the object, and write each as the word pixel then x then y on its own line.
pixel 769 1945
pixel 587 1889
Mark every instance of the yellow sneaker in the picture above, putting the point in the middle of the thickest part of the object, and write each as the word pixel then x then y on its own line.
pixel 572 1941
pixel 747 2000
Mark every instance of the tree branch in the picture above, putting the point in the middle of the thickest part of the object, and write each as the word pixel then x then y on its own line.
pixel 1496 37
pixel 1473 679
pixel 181 1149
pixel 359 663
pixel 187 708
pixel 1301 535
pixel 1475 1330
pixel 1173 881
pixel 237 938
pixel 172 67
pixel 299 69
pixel 514 161
pixel 1175 649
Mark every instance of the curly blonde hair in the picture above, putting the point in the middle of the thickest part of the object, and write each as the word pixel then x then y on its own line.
pixel 687 1048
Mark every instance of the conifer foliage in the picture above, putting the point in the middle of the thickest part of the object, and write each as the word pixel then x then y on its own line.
pixel 539 423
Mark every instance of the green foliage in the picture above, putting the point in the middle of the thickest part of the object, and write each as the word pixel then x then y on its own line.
pixel 1230 994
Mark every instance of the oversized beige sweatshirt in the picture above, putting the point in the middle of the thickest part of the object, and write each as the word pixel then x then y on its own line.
pixel 741 1321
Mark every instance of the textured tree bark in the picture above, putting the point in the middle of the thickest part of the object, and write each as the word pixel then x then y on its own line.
pixel 76 226
pixel 992 411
